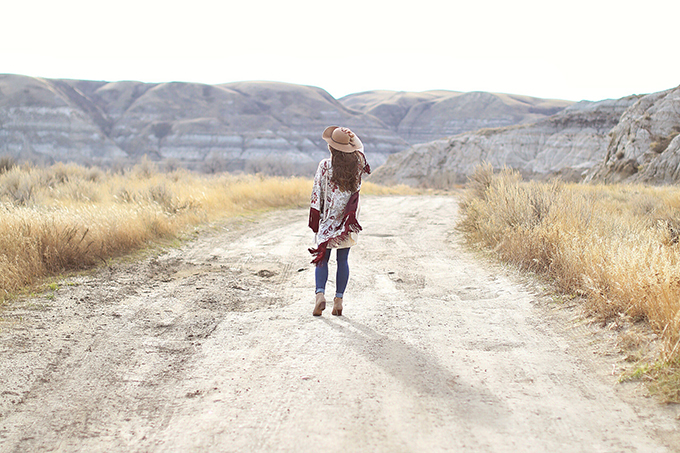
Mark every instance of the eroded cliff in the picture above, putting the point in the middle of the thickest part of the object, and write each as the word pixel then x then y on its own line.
pixel 645 144
pixel 567 143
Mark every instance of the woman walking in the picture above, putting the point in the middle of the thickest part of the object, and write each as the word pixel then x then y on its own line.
pixel 334 210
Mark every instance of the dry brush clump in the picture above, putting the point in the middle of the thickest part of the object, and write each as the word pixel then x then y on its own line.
pixel 617 247
pixel 68 217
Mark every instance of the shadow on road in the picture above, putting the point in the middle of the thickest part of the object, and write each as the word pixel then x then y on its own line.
pixel 423 373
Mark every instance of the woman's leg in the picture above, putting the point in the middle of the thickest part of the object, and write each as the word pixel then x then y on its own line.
pixel 321 273
pixel 342 276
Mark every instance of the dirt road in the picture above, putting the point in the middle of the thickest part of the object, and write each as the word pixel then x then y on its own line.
pixel 212 347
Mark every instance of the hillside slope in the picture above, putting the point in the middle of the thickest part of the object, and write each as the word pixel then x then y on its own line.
pixel 45 122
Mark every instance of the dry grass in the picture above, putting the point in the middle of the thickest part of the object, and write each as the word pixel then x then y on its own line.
pixel 68 217
pixel 617 247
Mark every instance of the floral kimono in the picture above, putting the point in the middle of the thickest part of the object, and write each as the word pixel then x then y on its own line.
pixel 333 213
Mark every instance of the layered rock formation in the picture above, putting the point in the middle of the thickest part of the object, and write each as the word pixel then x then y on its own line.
pixel 247 126
pixel 567 143
pixel 431 115
pixel 645 144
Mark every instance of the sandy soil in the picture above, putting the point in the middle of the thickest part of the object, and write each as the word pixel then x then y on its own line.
pixel 212 347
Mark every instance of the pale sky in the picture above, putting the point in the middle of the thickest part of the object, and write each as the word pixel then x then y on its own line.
pixel 581 49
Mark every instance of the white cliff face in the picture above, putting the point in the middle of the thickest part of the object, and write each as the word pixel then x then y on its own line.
pixel 567 143
pixel 644 145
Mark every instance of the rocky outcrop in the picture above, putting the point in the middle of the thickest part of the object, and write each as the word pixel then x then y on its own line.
pixel 567 143
pixel 431 115
pixel 645 144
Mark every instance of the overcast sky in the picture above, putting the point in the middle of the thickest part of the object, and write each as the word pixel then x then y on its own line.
pixel 581 49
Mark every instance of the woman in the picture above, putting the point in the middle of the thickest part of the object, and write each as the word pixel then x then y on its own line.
pixel 334 210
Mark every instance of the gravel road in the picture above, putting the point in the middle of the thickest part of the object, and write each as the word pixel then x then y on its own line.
pixel 212 346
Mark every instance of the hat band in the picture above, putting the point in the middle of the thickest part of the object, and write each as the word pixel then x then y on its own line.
pixel 340 143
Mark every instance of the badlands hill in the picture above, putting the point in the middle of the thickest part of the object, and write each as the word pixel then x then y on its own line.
pixel 568 143
pixel 431 115
pixel 247 126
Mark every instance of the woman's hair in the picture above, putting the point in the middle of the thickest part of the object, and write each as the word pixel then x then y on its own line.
pixel 346 168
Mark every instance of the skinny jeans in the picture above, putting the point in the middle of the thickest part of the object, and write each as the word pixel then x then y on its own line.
pixel 341 276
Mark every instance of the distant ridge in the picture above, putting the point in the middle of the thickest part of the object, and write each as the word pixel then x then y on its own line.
pixel 430 115
pixel 246 126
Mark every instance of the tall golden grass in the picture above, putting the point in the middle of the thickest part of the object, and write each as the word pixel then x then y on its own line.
pixel 616 246
pixel 68 217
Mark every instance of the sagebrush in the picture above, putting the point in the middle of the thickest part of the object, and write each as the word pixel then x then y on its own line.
pixel 617 247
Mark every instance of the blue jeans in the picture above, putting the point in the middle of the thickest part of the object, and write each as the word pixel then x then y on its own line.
pixel 341 277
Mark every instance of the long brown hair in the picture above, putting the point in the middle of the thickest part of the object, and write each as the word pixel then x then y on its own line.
pixel 346 168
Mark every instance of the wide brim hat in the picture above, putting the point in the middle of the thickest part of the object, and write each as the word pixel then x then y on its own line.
pixel 342 139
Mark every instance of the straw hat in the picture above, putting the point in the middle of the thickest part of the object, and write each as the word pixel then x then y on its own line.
pixel 342 139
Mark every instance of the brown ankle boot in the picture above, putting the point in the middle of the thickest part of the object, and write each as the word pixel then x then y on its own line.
pixel 337 306
pixel 320 304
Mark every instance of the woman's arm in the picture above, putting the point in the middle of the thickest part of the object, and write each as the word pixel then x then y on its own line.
pixel 316 202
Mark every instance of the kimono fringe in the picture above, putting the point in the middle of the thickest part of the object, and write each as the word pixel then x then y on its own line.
pixel 319 253
pixel 351 226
